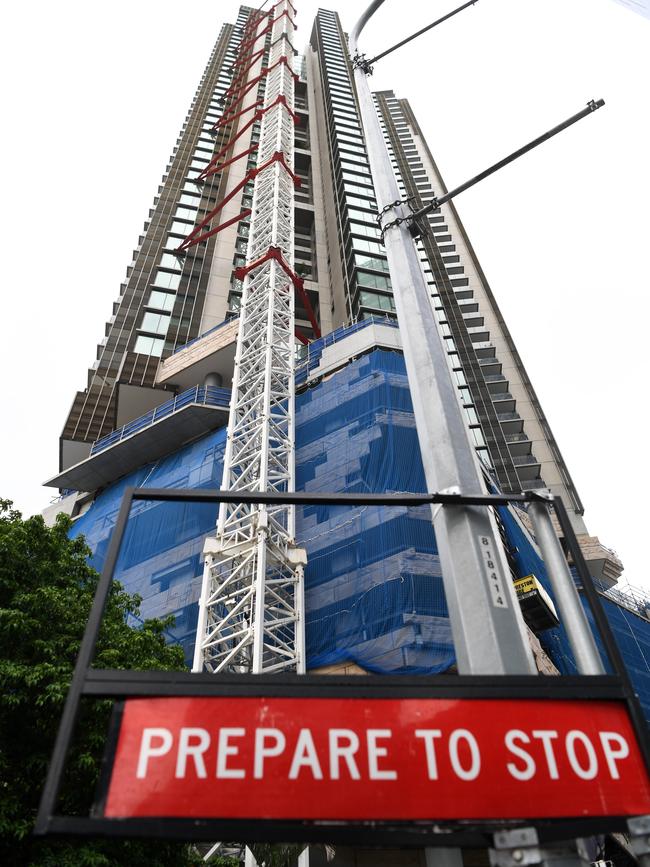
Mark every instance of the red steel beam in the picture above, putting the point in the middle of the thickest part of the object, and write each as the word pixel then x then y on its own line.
pixel 275 253
pixel 184 246
pixel 213 171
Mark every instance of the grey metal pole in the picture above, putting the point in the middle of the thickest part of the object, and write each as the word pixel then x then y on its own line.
pixel 566 595
pixel 487 626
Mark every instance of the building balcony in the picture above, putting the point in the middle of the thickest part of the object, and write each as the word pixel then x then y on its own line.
pixel 497 383
pixel 527 466
pixel 211 353
pixel 518 444
pixel 161 431
pixel 504 402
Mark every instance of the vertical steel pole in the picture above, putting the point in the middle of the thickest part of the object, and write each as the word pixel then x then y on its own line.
pixel 572 614
pixel 487 625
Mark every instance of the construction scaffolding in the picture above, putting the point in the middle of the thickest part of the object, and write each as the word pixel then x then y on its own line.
pixel 251 611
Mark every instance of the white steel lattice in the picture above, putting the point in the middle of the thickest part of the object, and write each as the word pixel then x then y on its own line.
pixel 251 607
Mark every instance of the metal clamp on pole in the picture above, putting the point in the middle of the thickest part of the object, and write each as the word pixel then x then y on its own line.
pixel 359 61
pixel 520 847
pixel 516 848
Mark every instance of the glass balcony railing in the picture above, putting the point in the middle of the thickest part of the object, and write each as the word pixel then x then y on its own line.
pixel 205 395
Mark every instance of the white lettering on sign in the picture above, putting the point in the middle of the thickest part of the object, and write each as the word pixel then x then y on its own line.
pixel 375 753
pixel 305 755
pixel 494 579
pixel 196 750
pixel 224 750
pixel 546 736
pixel 611 755
pixel 149 751
pixel 468 738
pixel 585 773
pixel 530 754
pixel 528 771
pixel 429 735
pixel 343 751
pixel 262 751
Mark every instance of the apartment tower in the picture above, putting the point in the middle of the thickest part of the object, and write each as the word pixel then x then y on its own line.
pixel 157 395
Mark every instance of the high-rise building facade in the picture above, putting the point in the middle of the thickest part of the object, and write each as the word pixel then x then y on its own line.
pixel 157 396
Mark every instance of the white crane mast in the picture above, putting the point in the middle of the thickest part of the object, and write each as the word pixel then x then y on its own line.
pixel 251 611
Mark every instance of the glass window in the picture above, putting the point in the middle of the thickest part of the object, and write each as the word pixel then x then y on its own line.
pixel 166 280
pixel 484 455
pixel 358 190
pixel 347 115
pixel 360 229
pixel 173 243
pixel 362 215
pixel 359 177
pixel 193 188
pixel 368 246
pixel 185 214
pixel 161 300
pixel 374 281
pixel 477 436
pixel 181 228
pixel 351 129
pixel 148 345
pixel 361 203
pixel 374 299
pixel 352 158
pixel 168 260
pixel 358 148
pixel 186 199
pixel 470 415
pixel 361 260
pixel 158 323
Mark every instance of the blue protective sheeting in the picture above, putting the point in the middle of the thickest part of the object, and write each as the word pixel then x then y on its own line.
pixel 373 589
pixel 631 631
pixel 161 553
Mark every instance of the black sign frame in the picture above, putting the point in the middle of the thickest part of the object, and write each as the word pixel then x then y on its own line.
pixel 119 685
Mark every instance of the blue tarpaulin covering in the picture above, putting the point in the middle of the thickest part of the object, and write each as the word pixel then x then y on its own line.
pixel 373 589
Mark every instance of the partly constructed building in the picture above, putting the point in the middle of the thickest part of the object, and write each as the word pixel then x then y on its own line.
pixel 157 399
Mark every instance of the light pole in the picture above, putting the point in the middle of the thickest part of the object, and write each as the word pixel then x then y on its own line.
pixel 487 626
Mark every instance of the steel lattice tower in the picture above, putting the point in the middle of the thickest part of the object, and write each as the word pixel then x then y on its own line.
pixel 251 607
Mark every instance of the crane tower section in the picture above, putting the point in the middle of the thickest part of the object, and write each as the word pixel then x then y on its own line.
pixel 251 607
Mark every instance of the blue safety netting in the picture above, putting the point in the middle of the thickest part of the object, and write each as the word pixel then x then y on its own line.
pixel 631 631
pixel 161 554
pixel 373 588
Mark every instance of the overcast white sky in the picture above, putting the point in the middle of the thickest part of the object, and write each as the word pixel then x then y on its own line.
pixel 94 96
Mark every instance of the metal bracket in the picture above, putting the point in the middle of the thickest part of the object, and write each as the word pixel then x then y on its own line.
pixel 520 847
pixel 417 226
pixel 639 831
pixel 515 848
pixel 359 61
pixel 408 203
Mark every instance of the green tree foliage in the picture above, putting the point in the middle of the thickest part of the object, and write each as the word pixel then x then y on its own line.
pixel 46 590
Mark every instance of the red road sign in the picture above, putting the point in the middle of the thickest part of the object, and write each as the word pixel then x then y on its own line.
pixel 381 759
